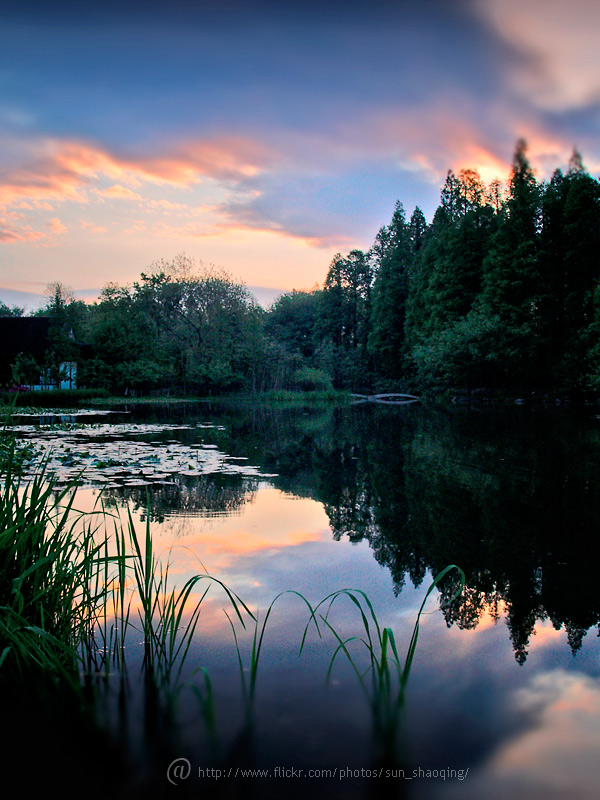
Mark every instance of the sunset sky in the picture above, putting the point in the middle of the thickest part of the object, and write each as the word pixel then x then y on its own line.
pixel 264 137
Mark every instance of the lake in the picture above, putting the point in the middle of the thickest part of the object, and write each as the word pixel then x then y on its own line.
pixel 504 694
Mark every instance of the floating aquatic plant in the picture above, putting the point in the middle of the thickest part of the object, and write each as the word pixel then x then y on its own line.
pixel 107 455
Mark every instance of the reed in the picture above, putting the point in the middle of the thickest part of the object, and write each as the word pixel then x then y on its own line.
pixel 67 587
pixel 167 624
pixel 249 666
pixel 384 679
pixel 49 595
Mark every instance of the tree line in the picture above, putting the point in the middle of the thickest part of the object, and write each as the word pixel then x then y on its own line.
pixel 500 292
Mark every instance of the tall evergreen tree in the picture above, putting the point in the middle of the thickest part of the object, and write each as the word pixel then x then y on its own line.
pixel 390 290
pixel 448 273
pixel 552 253
pixel 344 317
pixel 417 228
pixel 446 282
pixel 581 270
pixel 512 291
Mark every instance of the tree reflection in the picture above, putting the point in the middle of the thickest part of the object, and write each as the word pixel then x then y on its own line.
pixel 206 496
pixel 511 498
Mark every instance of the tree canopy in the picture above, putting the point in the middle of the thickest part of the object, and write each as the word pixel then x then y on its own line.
pixel 501 291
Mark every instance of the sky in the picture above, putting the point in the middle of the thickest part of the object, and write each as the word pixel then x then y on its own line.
pixel 264 137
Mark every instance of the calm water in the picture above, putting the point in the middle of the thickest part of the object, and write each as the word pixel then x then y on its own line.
pixel 505 688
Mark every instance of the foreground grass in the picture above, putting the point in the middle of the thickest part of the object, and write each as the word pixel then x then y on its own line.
pixel 69 581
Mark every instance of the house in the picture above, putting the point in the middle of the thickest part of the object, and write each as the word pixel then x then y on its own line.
pixel 24 345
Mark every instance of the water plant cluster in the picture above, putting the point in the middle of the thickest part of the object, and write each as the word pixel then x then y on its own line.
pixel 74 588
pixel 112 455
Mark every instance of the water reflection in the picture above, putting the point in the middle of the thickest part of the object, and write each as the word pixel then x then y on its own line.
pixel 381 499
pixel 206 496
pixel 513 499
pixel 511 496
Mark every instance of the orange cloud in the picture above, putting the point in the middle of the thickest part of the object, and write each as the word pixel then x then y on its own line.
pixel 62 170
pixel 262 227
pixel 8 234
pixel 272 522
pixel 440 137
pixel 56 226
pixel 120 192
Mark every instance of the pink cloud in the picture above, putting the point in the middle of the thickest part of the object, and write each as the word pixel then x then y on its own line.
pixel 191 229
pixel 63 170
pixel 120 192
pixel 9 235
pixel 56 226
pixel 91 228
pixel 137 227
pixel 560 39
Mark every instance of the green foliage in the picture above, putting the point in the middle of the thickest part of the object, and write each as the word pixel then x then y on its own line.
pixel 180 326
pixel 49 592
pixel 512 284
pixel 292 321
pixel 502 293
pixel 471 352
pixel 25 370
pixel 447 276
pixel 345 318
pixel 10 311
pixel 392 254
pixel 309 379
pixel 499 291
pixel 59 398
pixel 68 318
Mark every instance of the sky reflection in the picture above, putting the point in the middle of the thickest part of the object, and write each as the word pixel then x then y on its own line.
pixel 531 731
pixel 525 728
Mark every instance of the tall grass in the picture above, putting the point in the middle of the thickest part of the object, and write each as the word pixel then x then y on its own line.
pixel 68 585
pixel 249 665
pixel 49 592
pixel 166 622
pixel 384 679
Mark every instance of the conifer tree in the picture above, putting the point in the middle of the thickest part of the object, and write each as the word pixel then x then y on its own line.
pixel 581 270
pixel 387 338
pixel 344 317
pixel 512 287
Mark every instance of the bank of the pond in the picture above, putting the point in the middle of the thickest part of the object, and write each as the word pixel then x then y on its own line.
pixel 66 400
